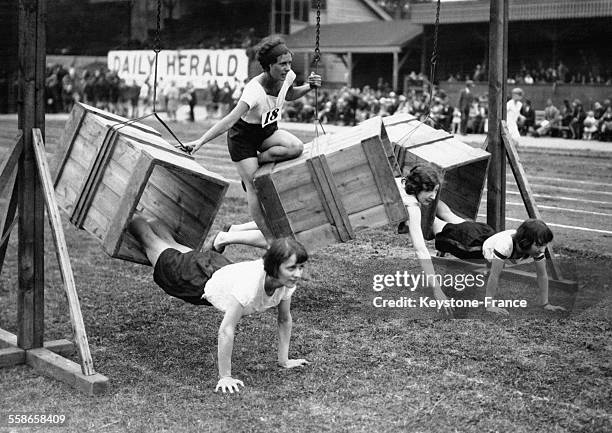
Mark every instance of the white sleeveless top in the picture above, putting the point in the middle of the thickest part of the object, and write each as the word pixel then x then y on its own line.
pixel 263 108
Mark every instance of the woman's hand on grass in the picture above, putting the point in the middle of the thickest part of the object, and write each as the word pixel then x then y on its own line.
pixel 551 307
pixel 293 363
pixel 440 296
pixel 228 383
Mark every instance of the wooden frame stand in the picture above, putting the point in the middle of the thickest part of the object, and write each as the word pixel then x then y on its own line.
pixel 557 281
pixel 26 348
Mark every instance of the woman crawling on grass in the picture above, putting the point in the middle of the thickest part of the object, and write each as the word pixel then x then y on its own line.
pixel 470 239
pixel 237 289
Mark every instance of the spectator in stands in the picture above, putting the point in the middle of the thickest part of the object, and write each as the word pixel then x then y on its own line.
pixel 577 121
pixel 527 125
pixel 191 99
pixel 513 109
pixel 134 93
pixel 590 125
pixel 456 121
pixel 606 125
pixel 172 94
pixel 552 119
pixel 465 102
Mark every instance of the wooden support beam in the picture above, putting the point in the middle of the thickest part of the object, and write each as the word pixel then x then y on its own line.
pixel 8 218
pixel 496 181
pixel 32 63
pixel 508 274
pixel 395 79
pixel 526 193
pixel 53 365
pixel 12 356
pixel 62 347
pixel 9 164
pixel 55 222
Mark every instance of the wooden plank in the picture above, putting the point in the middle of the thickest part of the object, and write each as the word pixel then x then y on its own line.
pixel 383 176
pixel 8 219
pixel 68 137
pixel 126 206
pixel 328 194
pixel 55 366
pixel 76 318
pixel 93 179
pixel 62 347
pixel 274 213
pixel 7 339
pixel 526 194
pixel 11 356
pixel 9 164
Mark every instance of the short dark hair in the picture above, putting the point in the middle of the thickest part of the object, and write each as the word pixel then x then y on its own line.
pixel 280 251
pixel 532 231
pixel 422 177
pixel 269 50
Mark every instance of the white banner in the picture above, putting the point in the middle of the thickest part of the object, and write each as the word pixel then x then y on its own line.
pixel 182 66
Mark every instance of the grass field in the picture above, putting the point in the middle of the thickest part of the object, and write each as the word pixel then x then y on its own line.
pixel 372 369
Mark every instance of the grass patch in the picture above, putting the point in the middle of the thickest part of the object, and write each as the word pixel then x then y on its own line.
pixel 372 369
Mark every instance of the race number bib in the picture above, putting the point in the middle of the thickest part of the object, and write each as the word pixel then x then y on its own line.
pixel 270 116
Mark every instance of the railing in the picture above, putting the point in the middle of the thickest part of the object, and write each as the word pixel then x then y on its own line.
pixel 520 10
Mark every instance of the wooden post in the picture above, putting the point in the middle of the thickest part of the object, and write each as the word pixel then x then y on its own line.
pixel 395 71
pixel 496 181
pixel 349 67
pixel 526 193
pixel 30 298
pixel 424 50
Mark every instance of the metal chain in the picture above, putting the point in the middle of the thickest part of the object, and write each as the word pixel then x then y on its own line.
pixel 434 55
pixel 317 51
pixel 156 50
pixel 316 59
pixel 157 41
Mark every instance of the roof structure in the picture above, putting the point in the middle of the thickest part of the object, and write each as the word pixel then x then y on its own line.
pixel 362 37
pixel 520 10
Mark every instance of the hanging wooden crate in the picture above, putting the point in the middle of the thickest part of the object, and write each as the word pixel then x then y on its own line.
pixel 463 167
pixel 108 170
pixel 341 183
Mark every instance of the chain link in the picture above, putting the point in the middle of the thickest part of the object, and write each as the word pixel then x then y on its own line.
pixel 157 42
pixel 317 51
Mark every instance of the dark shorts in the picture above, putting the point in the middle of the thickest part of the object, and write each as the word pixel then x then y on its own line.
pixel 244 139
pixel 184 275
pixel 464 240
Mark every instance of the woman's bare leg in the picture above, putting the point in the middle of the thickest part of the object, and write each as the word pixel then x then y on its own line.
pixel 152 244
pixel 280 146
pixel 251 225
pixel 253 238
pixel 246 170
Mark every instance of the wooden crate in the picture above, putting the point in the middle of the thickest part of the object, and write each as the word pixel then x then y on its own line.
pixel 107 171
pixel 341 183
pixel 463 167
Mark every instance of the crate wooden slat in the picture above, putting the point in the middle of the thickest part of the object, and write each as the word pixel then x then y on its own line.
pixel 109 170
pixel 341 183
pixel 463 167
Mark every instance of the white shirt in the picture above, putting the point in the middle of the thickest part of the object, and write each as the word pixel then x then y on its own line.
pixel 259 102
pixel 244 281
pixel 501 246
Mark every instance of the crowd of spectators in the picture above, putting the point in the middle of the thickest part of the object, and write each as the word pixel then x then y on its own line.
pixel 540 74
pixel 345 106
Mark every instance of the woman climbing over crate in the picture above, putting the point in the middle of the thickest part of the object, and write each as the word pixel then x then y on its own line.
pixel 237 289
pixel 254 138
